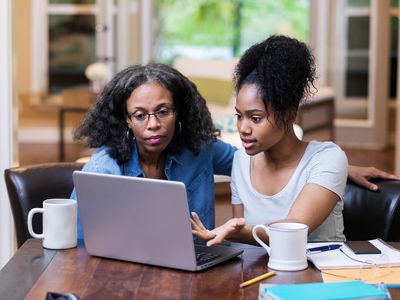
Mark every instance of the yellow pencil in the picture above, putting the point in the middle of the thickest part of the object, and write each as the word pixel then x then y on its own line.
pixel 256 279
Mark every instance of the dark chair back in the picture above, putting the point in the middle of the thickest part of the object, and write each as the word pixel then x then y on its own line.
pixel 29 186
pixel 370 215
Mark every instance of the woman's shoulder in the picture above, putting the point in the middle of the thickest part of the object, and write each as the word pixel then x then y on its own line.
pixel 217 147
pixel 241 157
pixel 324 147
pixel 102 162
pixel 327 153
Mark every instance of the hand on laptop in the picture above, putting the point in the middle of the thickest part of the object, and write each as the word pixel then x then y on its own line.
pixel 218 234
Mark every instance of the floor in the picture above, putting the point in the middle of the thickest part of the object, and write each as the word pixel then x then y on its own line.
pixel 41 153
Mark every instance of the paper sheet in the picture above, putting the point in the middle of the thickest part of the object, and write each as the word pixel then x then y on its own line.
pixel 387 275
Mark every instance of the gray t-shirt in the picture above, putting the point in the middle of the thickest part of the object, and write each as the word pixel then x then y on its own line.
pixel 323 163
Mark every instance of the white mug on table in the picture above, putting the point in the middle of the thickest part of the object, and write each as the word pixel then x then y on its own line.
pixel 59 223
pixel 288 243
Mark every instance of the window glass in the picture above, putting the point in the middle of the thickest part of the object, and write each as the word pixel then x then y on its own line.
pixel 71 50
pixel 357 57
pixel 223 29
pixel 358 2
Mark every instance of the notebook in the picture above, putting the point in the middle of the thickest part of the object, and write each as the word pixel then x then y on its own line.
pixel 344 258
pixel 141 220
pixel 323 291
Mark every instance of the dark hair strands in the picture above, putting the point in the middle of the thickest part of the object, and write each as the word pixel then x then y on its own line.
pixel 283 69
pixel 105 124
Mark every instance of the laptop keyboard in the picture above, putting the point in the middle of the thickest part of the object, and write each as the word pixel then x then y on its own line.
pixel 204 257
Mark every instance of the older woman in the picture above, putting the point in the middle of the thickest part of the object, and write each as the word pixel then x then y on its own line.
pixel 150 121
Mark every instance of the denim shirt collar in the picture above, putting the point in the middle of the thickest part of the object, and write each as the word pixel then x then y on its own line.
pixel 133 168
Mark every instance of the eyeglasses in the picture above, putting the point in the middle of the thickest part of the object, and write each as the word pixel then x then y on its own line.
pixel 142 118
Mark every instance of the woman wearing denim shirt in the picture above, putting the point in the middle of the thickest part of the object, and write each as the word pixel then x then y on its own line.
pixel 150 121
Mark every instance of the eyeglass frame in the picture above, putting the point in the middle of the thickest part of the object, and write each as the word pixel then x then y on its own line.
pixel 145 121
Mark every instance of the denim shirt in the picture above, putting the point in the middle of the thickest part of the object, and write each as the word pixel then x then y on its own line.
pixel 195 171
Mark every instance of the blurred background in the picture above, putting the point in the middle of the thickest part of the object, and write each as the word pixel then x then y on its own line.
pixel 55 41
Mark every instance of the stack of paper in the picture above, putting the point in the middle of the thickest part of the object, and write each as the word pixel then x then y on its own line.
pixel 336 259
pixel 343 265
pixel 322 291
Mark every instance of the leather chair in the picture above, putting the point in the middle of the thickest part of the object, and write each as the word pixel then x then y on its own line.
pixel 29 186
pixel 369 215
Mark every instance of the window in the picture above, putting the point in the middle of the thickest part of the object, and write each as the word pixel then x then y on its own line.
pixel 69 35
pixel 71 49
pixel 359 67
pixel 223 29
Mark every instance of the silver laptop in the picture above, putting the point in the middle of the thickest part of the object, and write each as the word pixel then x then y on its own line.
pixel 141 220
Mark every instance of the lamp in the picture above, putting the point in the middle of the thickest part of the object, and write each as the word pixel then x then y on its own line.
pixel 98 74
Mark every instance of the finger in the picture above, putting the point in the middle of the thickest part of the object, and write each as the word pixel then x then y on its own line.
pixel 200 234
pixel 371 186
pixel 385 175
pixel 198 221
pixel 367 184
pixel 216 240
pixel 377 173
pixel 204 235
pixel 240 222
pixel 194 225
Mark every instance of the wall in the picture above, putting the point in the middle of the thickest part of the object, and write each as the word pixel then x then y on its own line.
pixel 6 129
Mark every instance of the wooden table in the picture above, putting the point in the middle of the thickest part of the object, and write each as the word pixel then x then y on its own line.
pixel 33 271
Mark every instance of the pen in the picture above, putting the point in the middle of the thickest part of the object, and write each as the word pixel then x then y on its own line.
pixel 324 248
pixel 393 286
pixel 256 279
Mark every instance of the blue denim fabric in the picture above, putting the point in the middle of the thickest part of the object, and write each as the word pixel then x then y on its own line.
pixel 195 171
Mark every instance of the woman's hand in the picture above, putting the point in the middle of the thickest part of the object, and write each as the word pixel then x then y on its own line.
pixel 362 176
pixel 217 235
pixel 199 230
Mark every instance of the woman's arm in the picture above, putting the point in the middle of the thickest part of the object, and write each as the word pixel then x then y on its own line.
pixel 312 206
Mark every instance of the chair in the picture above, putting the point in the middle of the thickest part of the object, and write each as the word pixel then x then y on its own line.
pixel 369 215
pixel 28 186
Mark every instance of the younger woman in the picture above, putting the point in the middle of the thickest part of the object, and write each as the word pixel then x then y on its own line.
pixel 275 176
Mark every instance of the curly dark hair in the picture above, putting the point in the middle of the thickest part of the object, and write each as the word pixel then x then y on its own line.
pixel 105 123
pixel 283 69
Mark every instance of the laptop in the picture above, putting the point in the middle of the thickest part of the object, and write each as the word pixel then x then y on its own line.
pixel 143 221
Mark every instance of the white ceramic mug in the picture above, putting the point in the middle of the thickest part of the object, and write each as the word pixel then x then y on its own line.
pixel 59 223
pixel 288 243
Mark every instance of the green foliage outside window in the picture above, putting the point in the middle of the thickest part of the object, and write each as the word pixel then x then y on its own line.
pixel 233 25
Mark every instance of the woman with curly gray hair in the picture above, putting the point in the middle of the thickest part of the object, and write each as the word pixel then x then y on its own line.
pixel 150 121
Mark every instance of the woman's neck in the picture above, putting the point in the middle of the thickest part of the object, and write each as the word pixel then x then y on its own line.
pixel 153 165
pixel 286 153
pixel 278 164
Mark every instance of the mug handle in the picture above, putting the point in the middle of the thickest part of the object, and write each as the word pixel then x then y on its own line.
pixel 30 228
pixel 266 229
